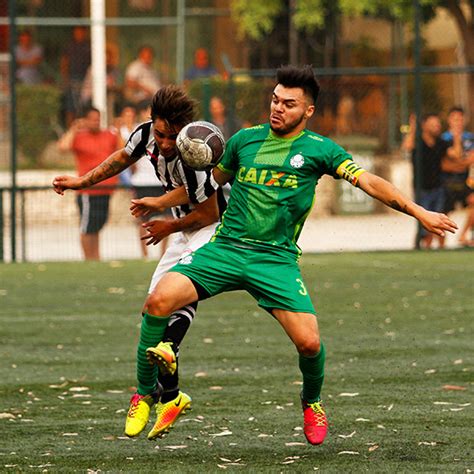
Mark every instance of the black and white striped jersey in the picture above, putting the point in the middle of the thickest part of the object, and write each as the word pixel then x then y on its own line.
pixel 172 173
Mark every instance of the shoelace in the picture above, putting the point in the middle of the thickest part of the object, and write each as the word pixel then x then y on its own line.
pixel 318 413
pixel 134 405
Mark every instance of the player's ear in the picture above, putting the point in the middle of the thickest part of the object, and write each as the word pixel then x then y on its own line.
pixel 309 111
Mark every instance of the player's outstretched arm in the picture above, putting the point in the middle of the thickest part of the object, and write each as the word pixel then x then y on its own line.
pixel 204 214
pixel 387 193
pixel 143 206
pixel 114 164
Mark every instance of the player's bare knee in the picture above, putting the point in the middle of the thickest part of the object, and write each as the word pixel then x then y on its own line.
pixel 309 346
pixel 157 304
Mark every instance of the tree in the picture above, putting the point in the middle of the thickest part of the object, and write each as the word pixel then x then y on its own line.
pixel 255 19
pixel 463 14
pixel 462 11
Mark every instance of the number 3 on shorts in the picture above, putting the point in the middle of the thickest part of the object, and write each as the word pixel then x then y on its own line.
pixel 303 291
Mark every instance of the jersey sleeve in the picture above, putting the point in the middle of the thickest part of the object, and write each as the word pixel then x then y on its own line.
pixel 229 163
pixel 138 140
pixel 341 165
pixel 200 185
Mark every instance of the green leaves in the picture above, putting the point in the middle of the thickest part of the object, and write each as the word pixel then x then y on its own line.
pixel 309 14
pixel 255 19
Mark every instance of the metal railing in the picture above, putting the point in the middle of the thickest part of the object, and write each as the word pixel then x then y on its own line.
pixel 47 226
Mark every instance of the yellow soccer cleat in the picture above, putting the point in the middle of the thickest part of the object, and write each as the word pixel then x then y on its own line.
pixel 163 356
pixel 138 414
pixel 168 413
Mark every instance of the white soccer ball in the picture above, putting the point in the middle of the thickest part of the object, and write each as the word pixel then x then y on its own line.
pixel 200 145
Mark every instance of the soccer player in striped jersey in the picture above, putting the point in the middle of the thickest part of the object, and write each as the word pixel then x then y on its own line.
pixel 193 225
pixel 276 167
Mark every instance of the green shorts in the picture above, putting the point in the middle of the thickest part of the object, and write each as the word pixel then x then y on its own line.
pixel 274 280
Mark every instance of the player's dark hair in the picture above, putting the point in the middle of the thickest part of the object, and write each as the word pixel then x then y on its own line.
pixel 456 108
pixel 172 104
pixel 303 77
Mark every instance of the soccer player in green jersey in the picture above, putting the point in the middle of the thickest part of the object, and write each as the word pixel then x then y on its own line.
pixel 276 167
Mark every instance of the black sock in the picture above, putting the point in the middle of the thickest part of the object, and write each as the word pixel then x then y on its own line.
pixel 175 331
pixel 179 323
pixel 170 386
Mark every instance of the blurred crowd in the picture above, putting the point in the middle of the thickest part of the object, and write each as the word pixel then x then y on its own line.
pixel 443 171
pixel 129 99
pixel 132 85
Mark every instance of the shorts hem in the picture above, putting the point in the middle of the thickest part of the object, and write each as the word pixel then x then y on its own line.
pixel 268 308
pixel 202 290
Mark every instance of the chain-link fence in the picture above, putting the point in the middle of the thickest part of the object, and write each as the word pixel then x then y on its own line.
pixel 48 227
pixel 368 92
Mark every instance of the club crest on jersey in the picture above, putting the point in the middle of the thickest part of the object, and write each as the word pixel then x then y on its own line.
pixel 186 260
pixel 297 161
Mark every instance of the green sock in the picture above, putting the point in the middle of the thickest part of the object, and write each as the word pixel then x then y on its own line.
pixel 312 369
pixel 151 333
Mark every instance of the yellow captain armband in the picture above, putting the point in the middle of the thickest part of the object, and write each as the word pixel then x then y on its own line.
pixel 350 171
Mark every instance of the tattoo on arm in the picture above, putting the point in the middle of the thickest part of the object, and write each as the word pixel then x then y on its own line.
pixel 398 207
pixel 105 170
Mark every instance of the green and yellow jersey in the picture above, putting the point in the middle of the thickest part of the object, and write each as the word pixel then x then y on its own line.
pixel 274 184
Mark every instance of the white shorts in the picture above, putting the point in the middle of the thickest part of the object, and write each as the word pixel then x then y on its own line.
pixel 180 245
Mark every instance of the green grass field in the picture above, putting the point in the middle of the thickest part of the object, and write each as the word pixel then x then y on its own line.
pixel 398 328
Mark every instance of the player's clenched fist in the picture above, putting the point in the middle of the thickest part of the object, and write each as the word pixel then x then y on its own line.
pixel 61 183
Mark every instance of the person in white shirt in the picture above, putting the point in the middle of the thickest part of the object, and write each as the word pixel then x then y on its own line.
pixel 141 79
pixel 29 57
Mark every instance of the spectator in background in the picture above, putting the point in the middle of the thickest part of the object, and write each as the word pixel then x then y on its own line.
pixel 29 57
pixel 141 80
pixel 201 66
pixel 143 111
pixel 75 61
pixel 456 166
pixel 219 117
pixel 125 124
pixel 91 145
pixel 112 80
pixel 433 149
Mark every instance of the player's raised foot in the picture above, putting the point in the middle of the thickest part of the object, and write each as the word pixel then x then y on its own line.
pixel 163 356
pixel 168 413
pixel 315 422
pixel 138 413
